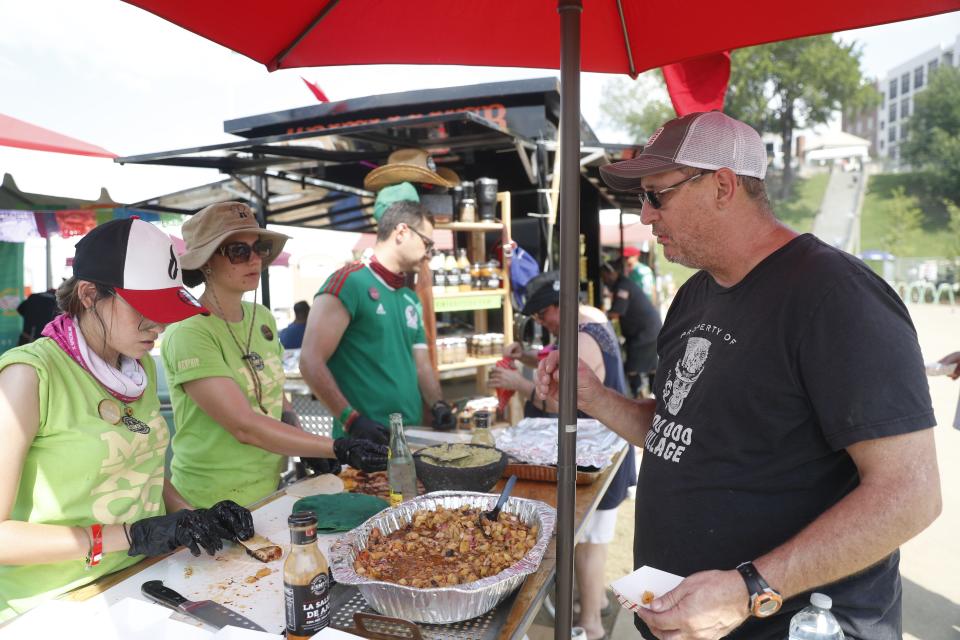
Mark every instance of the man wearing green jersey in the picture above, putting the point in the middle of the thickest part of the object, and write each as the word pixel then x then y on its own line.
pixel 364 350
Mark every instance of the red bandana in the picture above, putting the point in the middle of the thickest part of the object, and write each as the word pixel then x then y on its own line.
pixel 395 280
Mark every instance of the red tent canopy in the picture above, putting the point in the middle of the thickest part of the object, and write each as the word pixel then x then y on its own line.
pixel 17 133
pixel 295 33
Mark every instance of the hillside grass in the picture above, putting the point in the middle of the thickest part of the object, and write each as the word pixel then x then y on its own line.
pixel 933 239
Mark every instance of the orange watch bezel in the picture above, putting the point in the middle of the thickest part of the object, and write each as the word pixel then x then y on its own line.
pixel 758 600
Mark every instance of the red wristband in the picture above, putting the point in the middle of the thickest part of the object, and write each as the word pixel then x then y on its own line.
pixel 349 421
pixel 96 549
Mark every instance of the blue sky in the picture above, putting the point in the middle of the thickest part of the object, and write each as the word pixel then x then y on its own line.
pixel 109 73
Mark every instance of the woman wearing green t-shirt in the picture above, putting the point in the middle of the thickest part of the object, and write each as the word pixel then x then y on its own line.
pixel 81 466
pixel 234 425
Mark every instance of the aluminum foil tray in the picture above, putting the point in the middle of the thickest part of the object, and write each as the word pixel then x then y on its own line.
pixel 442 605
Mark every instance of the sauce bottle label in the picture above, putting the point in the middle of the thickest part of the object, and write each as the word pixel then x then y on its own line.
pixel 307 606
pixel 395 498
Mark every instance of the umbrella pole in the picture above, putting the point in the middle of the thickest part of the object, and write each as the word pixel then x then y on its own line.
pixel 570 11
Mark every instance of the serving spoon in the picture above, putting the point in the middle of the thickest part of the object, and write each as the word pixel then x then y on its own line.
pixel 494 514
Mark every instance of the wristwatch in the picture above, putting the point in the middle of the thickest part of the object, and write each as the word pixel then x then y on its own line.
pixel 764 601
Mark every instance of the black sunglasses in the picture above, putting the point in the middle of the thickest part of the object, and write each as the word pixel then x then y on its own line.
pixel 240 252
pixel 428 244
pixel 653 197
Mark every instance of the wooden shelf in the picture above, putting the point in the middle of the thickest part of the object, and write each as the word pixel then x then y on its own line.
pixel 470 363
pixel 470 226
pixel 477 293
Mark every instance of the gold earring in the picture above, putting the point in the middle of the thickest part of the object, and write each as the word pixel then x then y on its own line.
pixel 208 271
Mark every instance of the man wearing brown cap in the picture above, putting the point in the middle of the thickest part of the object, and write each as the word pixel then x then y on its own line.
pixel 778 461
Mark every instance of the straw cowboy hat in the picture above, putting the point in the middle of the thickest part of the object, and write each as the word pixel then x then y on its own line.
pixel 405 165
pixel 206 230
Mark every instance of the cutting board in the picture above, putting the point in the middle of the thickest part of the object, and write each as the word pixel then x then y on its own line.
pixel 229 577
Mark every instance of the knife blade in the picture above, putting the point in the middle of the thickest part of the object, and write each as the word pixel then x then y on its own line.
pixel 212 613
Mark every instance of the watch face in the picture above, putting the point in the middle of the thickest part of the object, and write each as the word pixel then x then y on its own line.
pixel 767 604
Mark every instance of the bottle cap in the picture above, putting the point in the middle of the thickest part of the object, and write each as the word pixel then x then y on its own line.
pixel 821 600
pixel 302 519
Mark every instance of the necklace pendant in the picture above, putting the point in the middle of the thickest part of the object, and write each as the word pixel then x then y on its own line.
pixel 134 424
pixel 109 411
pixel 256 361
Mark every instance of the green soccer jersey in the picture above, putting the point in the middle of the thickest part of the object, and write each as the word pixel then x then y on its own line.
pixel 373 364
pixel 80 470
pixel 209 464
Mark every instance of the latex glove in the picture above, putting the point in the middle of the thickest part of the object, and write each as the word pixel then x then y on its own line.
pixel 368 429
pixel 322 465
pixel 361 454
pixel 442 416
pixel 159 535
pixel 231 521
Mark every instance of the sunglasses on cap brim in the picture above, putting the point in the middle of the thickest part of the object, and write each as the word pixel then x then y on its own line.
pixel 240 252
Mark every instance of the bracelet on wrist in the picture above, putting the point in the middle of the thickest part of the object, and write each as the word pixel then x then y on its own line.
pixel 95 555
pixel 345 415
pixel 350 419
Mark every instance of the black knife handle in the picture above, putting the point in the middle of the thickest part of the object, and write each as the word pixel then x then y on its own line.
pixel 157 591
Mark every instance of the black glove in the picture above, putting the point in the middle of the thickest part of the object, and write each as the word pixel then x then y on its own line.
pixel 367 429
pixel 162 534
pixel 231 521
pixel 442 416
pixel 322 465
pixel 361 454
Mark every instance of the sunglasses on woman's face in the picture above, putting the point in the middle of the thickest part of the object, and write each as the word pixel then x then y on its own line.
pixel 240 252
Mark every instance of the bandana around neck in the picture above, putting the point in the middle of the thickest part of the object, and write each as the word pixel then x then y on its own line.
pixel 126 384
pixel 395 280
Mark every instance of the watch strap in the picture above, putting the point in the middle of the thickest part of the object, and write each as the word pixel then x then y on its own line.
pixel 755 582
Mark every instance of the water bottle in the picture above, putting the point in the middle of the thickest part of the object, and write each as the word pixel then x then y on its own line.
pixel 401 474
pixel 816 622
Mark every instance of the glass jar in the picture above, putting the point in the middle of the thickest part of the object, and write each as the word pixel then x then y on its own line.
pixel 461 350
pixel 484 273
pixel 476 282
pixel 497 344
pixel 494 278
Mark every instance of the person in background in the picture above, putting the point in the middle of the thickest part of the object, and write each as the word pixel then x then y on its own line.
pixel 234 425
pixel 954 359
pixel 364 351
pixel 639 324
pixel 292 336
pixel 790 446
pixel 84 443
pixel 37 310
pixel 599 348
pixel 640 272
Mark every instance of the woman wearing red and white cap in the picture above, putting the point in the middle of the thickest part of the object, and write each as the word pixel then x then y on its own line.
pixel 82 466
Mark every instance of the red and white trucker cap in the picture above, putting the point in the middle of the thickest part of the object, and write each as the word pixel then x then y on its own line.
pixel 706 140
pixel 137 259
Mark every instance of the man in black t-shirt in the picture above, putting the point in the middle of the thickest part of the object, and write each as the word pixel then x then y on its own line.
pixel 789 448
pixel 37 310
pixel 639 323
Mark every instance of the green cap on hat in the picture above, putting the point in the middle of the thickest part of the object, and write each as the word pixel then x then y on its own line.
pixel 394 193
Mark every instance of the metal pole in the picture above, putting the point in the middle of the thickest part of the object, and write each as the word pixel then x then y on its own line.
pixel 260 207
pixel 569 219
pixel 49 263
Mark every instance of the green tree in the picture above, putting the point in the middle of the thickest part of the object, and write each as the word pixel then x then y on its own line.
pixel 953 228
pixel 783 86
pixel 636 106
pixel 933 145
pixel 905 219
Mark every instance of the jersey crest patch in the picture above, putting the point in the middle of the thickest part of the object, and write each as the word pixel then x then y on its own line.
pixel 413 320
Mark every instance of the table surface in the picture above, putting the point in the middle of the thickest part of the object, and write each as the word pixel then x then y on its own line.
pixel 531 594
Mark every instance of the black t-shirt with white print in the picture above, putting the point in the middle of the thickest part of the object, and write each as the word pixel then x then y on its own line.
pixel 760 388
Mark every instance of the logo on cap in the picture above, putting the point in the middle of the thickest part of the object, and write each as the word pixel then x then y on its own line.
pixel 173 268
pixel 241 210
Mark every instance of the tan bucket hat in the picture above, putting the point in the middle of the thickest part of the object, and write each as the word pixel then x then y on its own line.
pixel 206 230
pixel 405 165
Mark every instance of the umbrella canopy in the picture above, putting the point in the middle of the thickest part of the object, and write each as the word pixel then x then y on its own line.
pixel 17 133
pixel 618 36
pixel 644 35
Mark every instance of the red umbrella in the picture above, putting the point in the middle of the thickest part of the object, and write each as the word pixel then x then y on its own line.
pixel 17 133
pixel 619 36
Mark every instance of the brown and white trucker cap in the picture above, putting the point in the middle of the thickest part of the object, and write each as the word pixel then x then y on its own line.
pixel 706 140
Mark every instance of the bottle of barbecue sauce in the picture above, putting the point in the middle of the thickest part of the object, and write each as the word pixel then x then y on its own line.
pixel 306 583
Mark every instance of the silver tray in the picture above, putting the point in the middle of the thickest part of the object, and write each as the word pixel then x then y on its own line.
pixel 442 605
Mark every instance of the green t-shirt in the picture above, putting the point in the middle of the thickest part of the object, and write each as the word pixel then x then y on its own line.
pixel 373 364
pixel 643 276
pixel 209 464
pixel 81 470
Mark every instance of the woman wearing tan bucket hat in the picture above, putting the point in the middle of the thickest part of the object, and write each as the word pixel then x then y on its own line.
pixel 234 425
